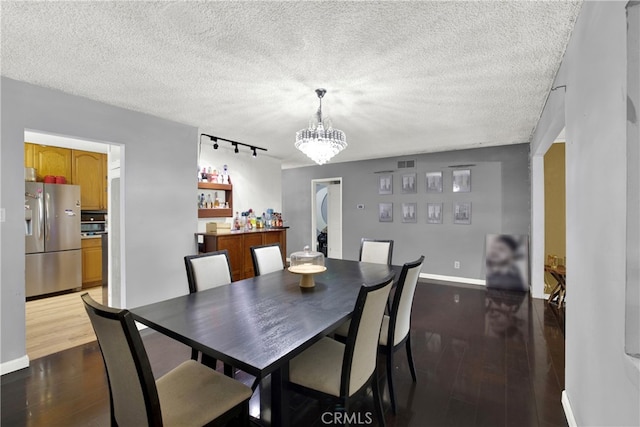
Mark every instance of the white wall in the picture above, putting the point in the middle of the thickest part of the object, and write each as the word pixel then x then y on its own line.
pixel 159 176
pixel 257 182
pixel 602 382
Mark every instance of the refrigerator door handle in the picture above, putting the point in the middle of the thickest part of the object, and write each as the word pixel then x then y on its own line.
pixel 40 217
pixel 46 213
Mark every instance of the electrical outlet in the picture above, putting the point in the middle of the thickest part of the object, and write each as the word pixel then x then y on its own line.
pixel 360 206
pixel 456 264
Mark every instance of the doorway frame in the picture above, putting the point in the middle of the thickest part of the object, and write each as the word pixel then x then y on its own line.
pixel 314 183
pixel 112 239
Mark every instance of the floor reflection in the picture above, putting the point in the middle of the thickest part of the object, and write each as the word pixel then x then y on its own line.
pixel 506 315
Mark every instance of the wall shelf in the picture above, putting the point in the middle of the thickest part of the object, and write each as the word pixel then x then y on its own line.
pixel 228 197
pixel 214 186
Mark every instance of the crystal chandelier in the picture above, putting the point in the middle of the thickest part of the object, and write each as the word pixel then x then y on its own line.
pixel 320 141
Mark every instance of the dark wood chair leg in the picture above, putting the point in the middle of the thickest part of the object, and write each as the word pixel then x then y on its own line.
pixel 392 396
pixel 194 354
pixel 377 401
pixel 412 367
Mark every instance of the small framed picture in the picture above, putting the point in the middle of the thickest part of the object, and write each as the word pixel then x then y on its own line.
pixel 385 184
pixel 434 182
pixel 434 213
pixel 462 181
pixel 462 213
pixel 385 212
pixel 409 183
pixel 409 212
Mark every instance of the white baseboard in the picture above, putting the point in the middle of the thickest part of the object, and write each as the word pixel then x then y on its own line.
pixel 568 412
pixel 455 279
pixel 14 365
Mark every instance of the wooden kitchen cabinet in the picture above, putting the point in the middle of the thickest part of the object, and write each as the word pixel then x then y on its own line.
pixel 239 243
pixel 89 172
pixel 48 160
pixel 91 262
pixel 29 161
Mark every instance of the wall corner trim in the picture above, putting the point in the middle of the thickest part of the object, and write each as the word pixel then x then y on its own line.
pixel 14 365
pixel 568 412
pixel 455 279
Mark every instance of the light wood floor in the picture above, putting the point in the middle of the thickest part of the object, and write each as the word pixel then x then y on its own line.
pixel 58 323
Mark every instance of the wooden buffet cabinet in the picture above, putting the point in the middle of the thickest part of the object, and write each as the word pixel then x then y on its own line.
pixel 238 244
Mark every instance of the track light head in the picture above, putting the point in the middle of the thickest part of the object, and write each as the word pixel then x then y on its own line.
pixel 236 149
pixel 215 142
pixel 254 152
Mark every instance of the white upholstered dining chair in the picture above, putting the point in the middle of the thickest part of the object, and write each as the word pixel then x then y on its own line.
pixel 189 395
pixel 208 270
pixel 376 251
pixel 337 371
pixel 266 259
pixel 396 327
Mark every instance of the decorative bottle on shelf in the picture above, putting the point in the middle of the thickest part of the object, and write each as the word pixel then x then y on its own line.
pixel 225 175
pixel 236 222
pixel 216 203
pixel 252 218
pixel 209 202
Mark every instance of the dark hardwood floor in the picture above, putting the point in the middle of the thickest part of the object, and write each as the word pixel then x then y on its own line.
pixel 483 358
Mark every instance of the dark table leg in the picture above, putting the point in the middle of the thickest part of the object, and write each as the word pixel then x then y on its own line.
pixel 280 396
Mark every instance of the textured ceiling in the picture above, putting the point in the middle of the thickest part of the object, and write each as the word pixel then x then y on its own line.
pixel 402 77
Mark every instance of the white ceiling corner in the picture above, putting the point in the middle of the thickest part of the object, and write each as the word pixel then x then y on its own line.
pixel 402 77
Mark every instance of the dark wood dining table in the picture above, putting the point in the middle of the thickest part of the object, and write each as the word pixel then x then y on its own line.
pixel 259 324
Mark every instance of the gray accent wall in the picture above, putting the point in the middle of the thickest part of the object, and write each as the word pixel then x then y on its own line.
pixel 160 181
pixel 602 382
pixel 500 198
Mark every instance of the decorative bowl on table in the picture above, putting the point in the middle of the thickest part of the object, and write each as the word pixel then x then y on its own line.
pixel 307 263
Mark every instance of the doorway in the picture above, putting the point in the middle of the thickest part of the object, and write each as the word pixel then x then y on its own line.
pixel 326 216
pixel 111 292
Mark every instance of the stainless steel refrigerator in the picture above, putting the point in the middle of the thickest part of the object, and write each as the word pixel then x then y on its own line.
pixel 53 244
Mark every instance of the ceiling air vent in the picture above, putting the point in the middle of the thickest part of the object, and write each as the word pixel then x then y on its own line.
pixel 406 164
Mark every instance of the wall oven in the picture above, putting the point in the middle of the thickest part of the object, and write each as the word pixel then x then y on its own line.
pixel 93 223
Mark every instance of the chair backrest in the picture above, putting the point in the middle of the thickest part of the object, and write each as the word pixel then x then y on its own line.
pixel 132 388
pixel 208 270
pixel 376 251
pixel 266 259
pixel 361 350
pixel 400 314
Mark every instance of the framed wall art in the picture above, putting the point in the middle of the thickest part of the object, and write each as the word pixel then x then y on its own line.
pixel 409 183
pixel 462 181
pixel 409 212
pixel 434 182
pixel 385 212
pixel 385 184
pixel 462 213
pixel 434 213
